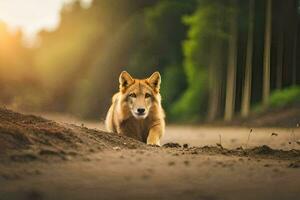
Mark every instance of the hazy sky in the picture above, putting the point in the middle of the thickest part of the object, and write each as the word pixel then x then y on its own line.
pixel 32 15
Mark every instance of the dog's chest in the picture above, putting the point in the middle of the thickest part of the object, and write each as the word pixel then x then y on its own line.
pixel 137 129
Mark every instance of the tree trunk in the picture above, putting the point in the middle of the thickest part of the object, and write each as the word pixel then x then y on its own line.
pixel 267 52
pixel 280 11
pixel 231 67
pixel 215 83
pixel 294 64
pixel 279 60
pixel 246 99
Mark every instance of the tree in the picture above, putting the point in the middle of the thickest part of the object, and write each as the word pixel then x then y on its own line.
pixel 215 69
pixel 248 67
pixel 202 61
pixel 295 41
pixel 279 52
pixel 231 66
pixel 214 81
pixel 267 53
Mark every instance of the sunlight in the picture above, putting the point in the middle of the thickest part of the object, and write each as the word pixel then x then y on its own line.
pixel 31 16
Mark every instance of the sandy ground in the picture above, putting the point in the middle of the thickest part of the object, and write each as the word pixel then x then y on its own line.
pixel 137 174
pixel 141 172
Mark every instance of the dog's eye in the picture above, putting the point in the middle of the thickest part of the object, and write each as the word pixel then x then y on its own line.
pixel 133 95
pixel 147 95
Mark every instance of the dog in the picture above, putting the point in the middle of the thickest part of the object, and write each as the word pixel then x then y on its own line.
pixel 136 109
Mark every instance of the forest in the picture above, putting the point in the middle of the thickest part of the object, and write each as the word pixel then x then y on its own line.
pixel 218 59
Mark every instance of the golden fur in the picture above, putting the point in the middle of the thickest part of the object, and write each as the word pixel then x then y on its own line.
pixel 136 109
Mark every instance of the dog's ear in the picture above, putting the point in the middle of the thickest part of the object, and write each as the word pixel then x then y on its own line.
pixel 154 81
pixel 125 80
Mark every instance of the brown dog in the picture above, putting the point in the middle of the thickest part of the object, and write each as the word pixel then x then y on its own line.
pixel 136 109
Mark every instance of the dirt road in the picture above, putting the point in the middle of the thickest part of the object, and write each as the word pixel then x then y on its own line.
pixel 117 170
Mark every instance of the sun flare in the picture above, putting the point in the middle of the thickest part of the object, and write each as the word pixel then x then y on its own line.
pixel 31 16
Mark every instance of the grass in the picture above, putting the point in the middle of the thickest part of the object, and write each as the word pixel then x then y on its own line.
pixel 281 98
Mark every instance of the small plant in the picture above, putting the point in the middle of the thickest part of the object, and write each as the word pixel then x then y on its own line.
pixel 220 142
pixel 248 137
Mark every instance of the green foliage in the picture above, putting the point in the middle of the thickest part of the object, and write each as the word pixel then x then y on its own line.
pixel 281 98
pixel 191 104
pixel 204 27
pixel 174 82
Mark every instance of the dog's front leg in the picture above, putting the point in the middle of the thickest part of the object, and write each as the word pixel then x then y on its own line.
pixel 155 134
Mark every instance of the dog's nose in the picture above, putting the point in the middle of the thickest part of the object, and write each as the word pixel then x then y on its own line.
pixel 141 110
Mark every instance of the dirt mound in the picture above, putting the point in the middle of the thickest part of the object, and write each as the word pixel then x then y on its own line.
pixel 28 137
pixel 35 136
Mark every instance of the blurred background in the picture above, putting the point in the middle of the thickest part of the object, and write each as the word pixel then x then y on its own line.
pixel 219 60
